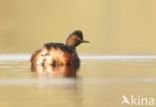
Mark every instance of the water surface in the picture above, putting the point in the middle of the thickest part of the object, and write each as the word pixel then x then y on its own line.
pixel 100 82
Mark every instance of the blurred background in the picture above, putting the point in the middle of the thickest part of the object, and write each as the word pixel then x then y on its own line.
pixel 112 26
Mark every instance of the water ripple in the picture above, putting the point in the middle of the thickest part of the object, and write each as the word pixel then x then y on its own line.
pixel 25 57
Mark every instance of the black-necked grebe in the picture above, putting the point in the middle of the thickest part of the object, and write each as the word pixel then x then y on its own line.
pixel 58 54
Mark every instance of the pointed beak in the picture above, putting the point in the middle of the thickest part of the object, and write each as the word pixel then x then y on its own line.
pixel 85 41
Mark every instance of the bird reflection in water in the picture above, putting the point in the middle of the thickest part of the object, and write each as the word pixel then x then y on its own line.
pixel 49 71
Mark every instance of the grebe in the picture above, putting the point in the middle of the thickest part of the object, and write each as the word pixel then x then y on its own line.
pixel 57 54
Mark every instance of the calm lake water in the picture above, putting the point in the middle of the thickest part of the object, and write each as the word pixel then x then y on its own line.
pixel 100 82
